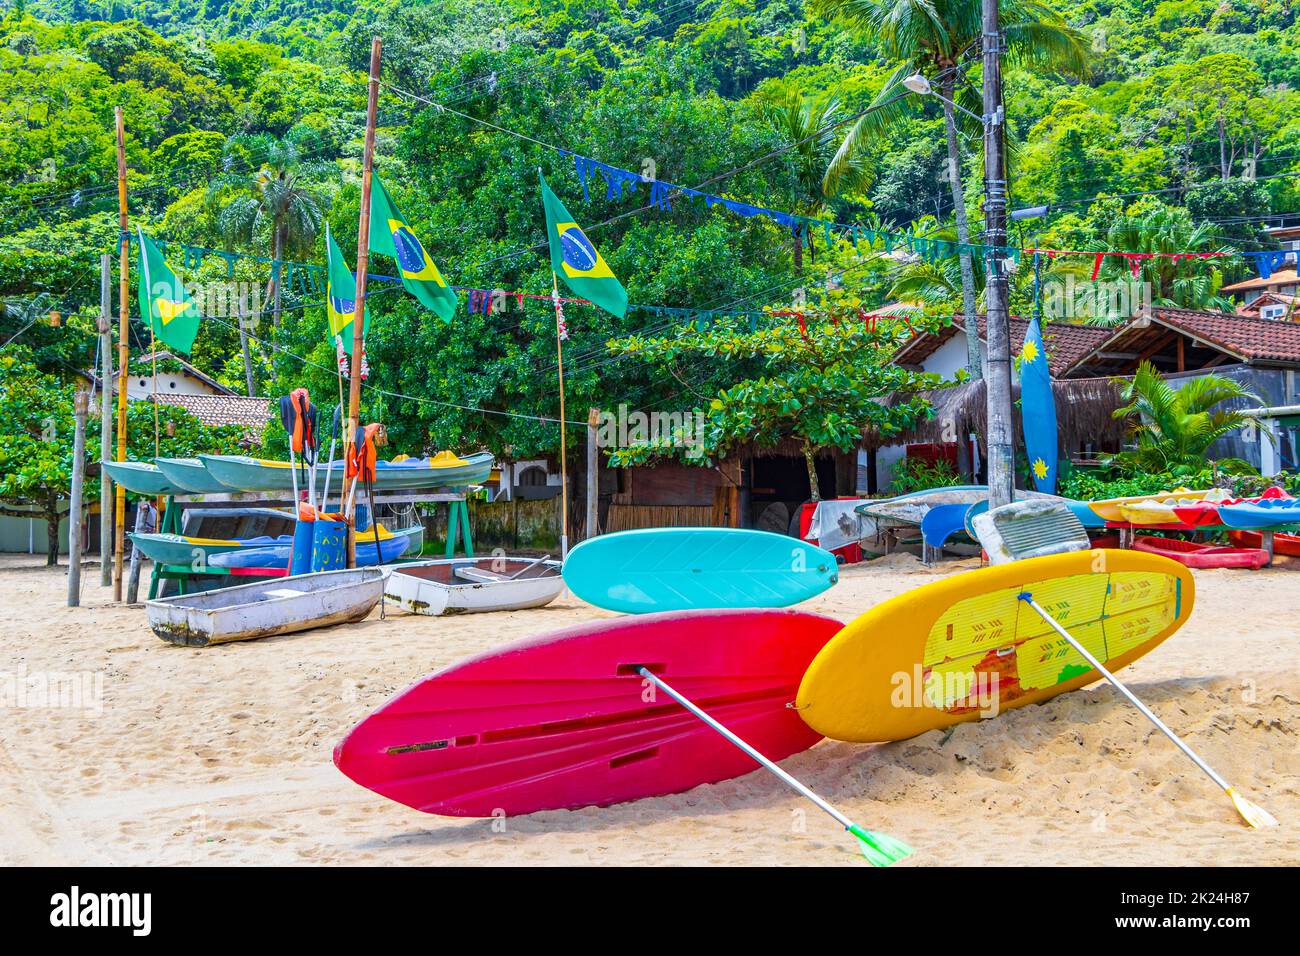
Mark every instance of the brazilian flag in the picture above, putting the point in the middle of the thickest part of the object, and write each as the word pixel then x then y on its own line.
pixel 391 236
pixel 575 259
pixel 341 294
pixel 172 316
pixel 1038 410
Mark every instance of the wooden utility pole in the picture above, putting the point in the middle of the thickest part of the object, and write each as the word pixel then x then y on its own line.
pixel 123 350
pixel 593 474
pixel 105 418
pixel 80 407
pixel 1001 462
pixel 363 261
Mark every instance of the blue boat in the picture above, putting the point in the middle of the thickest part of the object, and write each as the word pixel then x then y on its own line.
pixel 1261 515
pixel 392 545
pixel 679 569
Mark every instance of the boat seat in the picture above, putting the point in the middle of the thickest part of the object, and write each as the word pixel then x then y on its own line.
pixel 1029 529
pixel 480 575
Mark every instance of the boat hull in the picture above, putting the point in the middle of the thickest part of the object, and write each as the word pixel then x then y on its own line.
pixel 240 473
pixel 189 473
pixel 267 608
pixel 435 588
pixel 141 477
pixel 178 549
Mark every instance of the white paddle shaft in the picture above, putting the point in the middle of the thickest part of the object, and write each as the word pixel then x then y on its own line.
pixel 1101 668
pixel 789 781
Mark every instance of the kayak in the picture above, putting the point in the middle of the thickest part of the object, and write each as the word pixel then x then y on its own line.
pixel 1288 544
pixel 1265 513
pixel 444 470
pixel 189 473
pixel 141 477
pixel 392 545
pixel 1201 513
pixel 178 549
pixel 1193 555
pixel 1111 508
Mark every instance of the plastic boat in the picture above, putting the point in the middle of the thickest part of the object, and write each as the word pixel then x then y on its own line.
pixel 1193 555
pixel 444 470
pixel 467 585
pixel 1111 508
pixel 177 549
pixel 392 545
pixel 141 477
pixel 266 608
pixel 189 473
pixel 1288 544
pixel 1262 514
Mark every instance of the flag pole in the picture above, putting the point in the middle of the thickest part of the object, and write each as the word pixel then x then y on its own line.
pixel 564 467
pixel 123 349
pixel 359 316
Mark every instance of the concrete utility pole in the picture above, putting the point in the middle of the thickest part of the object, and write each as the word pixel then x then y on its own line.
pixel 1001 464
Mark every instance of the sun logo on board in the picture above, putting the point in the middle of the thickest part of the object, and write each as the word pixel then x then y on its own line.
pixel 1030 352
pixel 1040 468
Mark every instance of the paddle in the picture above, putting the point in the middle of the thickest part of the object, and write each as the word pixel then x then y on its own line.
pixel 288 416
pixel 878 848
pixel 334 434
pixel 1256 816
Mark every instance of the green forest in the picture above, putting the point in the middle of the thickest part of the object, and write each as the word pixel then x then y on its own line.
pixel 1141 125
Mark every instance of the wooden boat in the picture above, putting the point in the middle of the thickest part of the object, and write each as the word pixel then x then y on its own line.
pixel 228 523
pixel 1193 555
pixel 1111 509
pixel 267 608
pixel 467 585
pixel 141 477
pixel 444 470
pixel 189 473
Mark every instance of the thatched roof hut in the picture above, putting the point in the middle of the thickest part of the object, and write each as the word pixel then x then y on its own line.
pixel 1084 411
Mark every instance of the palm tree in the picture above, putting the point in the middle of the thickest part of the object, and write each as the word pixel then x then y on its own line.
pixel 805 124
pixel 935 38
pixel 1175 427
pixel 1173 283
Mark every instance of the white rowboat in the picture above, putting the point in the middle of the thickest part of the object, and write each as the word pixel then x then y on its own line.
pixel 267 608
pixel 467 585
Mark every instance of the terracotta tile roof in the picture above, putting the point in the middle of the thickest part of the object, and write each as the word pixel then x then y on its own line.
pixel 251 414
pixel 1278 278
pixel 1065 343
pixel 1250 339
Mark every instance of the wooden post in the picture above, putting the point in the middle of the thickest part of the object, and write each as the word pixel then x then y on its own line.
pixel 593 474
pixel 363 259
pixel 123 350
pixel 105 418
pixel 80 407
pixel 145 522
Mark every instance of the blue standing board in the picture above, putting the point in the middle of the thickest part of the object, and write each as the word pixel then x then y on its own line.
pixel 682 569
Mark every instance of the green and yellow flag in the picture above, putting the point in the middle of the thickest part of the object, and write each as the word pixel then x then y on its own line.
pixel 341 294
pixel 575 259
pixel 172 316
pixel 391 236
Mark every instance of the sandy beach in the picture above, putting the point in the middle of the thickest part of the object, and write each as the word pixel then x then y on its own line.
pixel 222 755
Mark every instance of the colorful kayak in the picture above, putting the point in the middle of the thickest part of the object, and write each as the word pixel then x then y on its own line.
pixel 392 545
pixel 141 477
pixel 1192 555
pixel 1111 509
pixel 565 720
pixel 967 646
pixel 1288 544
pixel 183 549
pixel 678 569
pixel 189 473
pixel 1262 514
pixel 444 470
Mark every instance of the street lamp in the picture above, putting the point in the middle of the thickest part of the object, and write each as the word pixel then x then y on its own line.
pixel 920 84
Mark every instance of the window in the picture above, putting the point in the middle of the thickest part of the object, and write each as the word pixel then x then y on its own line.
pixel 1272 311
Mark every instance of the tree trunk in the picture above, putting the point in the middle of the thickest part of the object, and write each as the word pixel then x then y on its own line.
pixel 798 253
pixel 968 305
pixel 277 247
pixel 52 531
pixel 814 492
pixel 248 355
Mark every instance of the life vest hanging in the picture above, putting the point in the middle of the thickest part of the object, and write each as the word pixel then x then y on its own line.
pixel 302 437
pixel 362 455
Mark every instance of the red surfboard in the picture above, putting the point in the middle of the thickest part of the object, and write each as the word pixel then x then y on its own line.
pixel 564 720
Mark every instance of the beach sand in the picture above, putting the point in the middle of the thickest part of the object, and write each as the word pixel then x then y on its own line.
pixel 222 755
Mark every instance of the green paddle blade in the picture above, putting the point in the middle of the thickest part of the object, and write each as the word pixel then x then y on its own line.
pixel 879 848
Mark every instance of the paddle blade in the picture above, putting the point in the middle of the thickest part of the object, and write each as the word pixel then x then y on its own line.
pixel 1252 813
pixel 879 848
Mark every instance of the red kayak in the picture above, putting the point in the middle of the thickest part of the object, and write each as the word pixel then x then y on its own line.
pixel 1198 514
pixel 1193 555
pixel 1288 544
pixel 565 720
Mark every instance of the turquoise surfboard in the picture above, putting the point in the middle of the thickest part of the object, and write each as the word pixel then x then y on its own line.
pixel 681 569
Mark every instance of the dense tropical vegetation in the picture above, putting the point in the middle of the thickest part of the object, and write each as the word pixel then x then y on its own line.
pixel 1140 124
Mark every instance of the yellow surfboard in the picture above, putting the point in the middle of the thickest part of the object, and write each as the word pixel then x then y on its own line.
pixel 967 646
